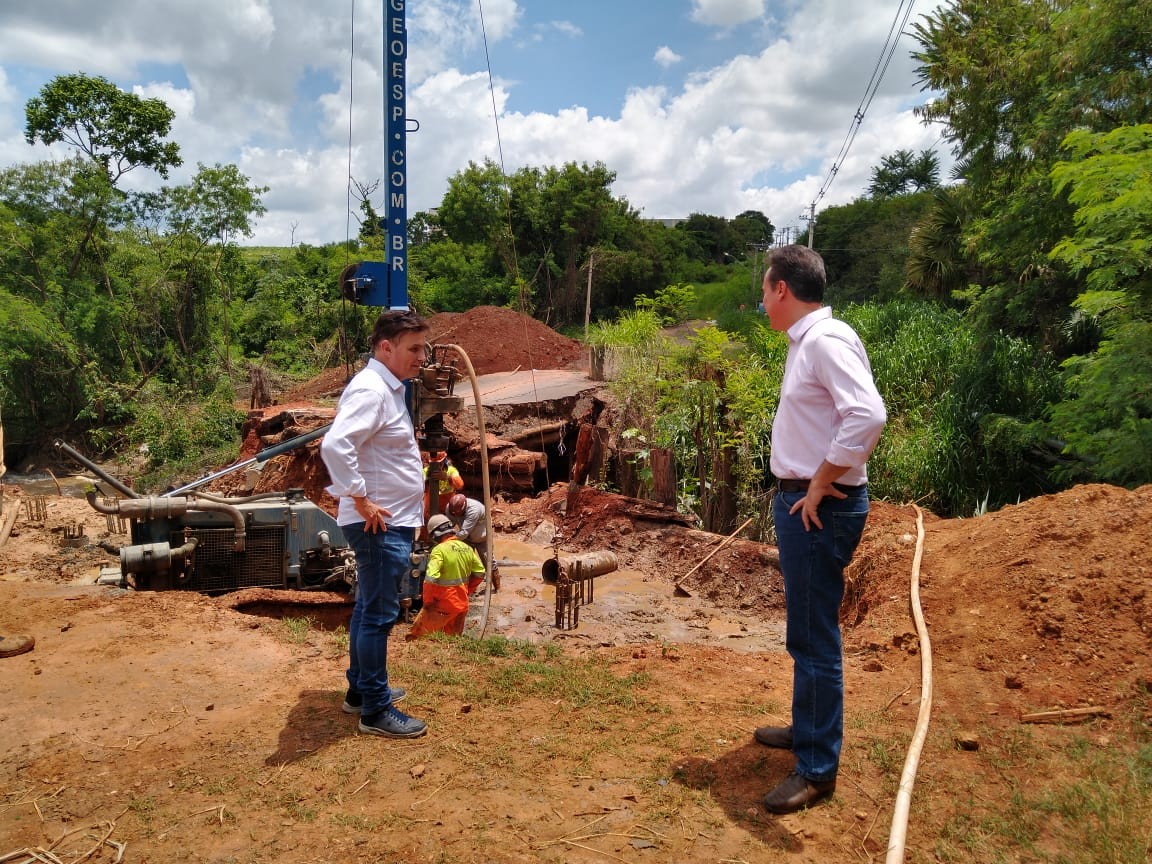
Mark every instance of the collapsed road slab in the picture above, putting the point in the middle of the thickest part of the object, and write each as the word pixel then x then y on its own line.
pixel 527 386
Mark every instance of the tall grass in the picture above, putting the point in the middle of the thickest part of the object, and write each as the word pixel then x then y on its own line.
pixel 965 413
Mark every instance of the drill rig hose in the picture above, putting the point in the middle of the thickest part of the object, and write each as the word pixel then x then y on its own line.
pixel 487 486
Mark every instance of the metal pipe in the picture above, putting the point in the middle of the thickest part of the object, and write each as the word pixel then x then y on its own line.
pixel 97 470
pixel 590 564
pixel 154 508
pixel 263 455
pixel 154 557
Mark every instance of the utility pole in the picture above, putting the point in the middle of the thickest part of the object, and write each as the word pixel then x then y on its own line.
pixel 758 250
pixel 811 223
pixel 588 295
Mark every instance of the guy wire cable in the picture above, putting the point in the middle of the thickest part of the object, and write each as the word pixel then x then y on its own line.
pixel 899 830
pixel 348 198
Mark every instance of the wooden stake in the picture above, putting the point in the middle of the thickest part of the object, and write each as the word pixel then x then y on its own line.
pixel 721 545
pixel 1065 714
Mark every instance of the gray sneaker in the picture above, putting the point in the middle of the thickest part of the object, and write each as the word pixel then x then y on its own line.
pixel 393 723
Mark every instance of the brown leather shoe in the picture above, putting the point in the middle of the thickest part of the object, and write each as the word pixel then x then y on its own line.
pixel 796 793
pixel 774 736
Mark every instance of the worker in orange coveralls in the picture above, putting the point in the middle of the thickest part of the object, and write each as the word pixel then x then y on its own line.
pixel 454 572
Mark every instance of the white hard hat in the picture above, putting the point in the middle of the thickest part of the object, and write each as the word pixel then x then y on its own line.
pixel 439 526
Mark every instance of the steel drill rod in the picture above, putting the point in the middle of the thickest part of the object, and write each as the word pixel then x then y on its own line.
pixel 263 455
pixel 97 470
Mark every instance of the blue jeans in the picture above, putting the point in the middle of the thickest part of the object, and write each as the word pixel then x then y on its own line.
pixel 382 559
pixel 813 565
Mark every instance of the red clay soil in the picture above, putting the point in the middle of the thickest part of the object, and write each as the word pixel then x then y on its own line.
pixel 497 339
pixel 191 731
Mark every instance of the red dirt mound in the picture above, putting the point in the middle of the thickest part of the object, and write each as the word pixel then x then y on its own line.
pixel 497 339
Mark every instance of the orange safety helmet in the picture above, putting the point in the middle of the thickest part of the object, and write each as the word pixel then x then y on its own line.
pixel 456 505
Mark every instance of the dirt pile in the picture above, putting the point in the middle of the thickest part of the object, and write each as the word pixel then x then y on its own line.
pixel 497 339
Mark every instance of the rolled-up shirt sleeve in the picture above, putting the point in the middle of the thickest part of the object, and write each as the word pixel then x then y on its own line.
pixel 356 421
pixel 845 372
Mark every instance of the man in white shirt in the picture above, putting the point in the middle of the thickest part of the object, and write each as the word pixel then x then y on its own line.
pixel 827 423
pixel 377 475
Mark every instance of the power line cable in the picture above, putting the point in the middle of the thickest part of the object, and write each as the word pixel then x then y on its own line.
pixel 882 62
pixel 508 213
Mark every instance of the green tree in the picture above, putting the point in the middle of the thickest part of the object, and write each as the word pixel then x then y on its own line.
pixel 865 245
pixel 1108 178
pixel 903 172
pixel 937 266
pixel 1013 78
pixel 117 131
pixel 752 226
pixel 713 237
pixel 198 258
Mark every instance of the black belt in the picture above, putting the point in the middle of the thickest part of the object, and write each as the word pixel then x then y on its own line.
pixel 789 485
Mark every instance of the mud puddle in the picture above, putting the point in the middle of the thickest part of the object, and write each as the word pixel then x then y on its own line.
pixel 627 607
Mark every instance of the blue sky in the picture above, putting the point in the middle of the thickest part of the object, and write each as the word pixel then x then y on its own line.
pixel 711 106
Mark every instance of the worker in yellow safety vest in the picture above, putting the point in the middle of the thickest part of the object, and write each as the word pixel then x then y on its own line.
pixel 454 572
pixel 449 482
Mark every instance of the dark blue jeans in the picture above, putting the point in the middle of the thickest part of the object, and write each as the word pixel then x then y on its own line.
pixel 382 559
pixel 813 564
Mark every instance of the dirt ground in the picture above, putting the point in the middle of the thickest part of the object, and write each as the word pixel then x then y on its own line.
pixel 191 730
pixel 149 727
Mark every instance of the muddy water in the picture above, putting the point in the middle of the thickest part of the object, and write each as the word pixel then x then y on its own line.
pixel 44 484
pixel 627 607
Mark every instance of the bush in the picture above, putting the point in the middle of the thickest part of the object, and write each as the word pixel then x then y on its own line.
pixel 179 436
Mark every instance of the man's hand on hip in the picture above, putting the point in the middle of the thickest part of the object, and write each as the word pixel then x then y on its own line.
pixel 819 488
pixel 374 515
pixel 811 501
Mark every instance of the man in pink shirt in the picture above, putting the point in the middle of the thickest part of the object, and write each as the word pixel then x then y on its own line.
pixel 827 423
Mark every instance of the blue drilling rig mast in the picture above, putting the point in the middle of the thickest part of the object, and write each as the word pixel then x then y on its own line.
pixel 385 283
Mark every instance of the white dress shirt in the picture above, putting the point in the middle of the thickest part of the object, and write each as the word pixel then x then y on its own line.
pixel 371 450
pixel 829 407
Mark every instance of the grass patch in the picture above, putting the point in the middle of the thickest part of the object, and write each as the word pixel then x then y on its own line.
pixel 1081 802
pixel 297 630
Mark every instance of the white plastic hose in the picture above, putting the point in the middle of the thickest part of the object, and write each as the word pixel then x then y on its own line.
pixel 487 488
pixel 899 831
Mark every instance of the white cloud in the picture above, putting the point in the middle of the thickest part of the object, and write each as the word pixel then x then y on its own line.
pixel 757 131
pixel 666 57
pixel 726 13
pixel 7 91
pixel 567 28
